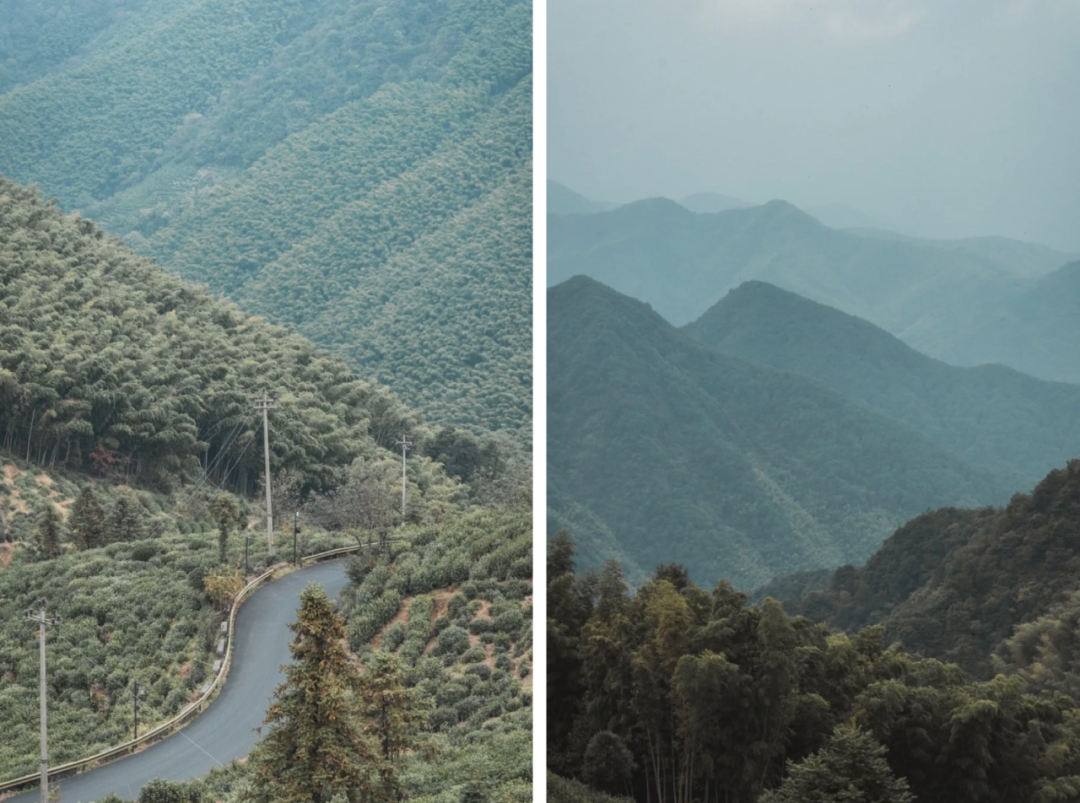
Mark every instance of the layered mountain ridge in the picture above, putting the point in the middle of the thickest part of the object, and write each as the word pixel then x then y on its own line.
pixel 680 453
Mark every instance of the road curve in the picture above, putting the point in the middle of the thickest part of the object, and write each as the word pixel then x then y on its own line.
pixel 226 730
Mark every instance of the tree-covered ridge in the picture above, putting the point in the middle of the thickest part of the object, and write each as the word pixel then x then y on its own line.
pixel 988 589
pixel 675 693
pixel 429 290
pixel 40 37
pixel 312 160
pixel 989 415
pixel 109 364
pixel 679 452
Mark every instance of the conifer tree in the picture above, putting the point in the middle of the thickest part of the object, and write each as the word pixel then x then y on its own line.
pixel 225 512
pixel 125 520
pixel 88 520
pixel 47 532
pixel 316 747
pixel 393 713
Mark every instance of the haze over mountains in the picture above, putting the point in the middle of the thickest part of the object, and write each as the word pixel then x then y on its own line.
pixel 661 450
pixel 361 172
pixel 991 415
pixel 942 298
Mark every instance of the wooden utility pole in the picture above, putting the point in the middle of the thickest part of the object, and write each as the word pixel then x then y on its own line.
pixel 404 443
pixel 265 403
pixel 39 617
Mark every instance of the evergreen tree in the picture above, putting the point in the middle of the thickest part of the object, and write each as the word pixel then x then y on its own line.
pixel 608 763
pixel 225 512
pixel 316 747
pixel 394 714
pixel 88 520
pixel 125 520
pixel 47 532
pixel 851 767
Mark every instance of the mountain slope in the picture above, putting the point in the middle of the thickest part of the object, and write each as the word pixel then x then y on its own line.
pixel 939 300
pixel 105 354
pixel 310 159
pixel 1038 326
pixel 990 415
pixel 966 585
pixel 734 469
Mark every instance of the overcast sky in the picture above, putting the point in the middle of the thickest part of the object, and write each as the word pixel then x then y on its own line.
pixel 940 118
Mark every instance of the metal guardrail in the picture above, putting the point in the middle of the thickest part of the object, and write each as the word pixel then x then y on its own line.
pixel 190 712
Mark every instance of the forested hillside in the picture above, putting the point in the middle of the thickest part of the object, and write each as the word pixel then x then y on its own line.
pixel 361 172
pixel 673 452
pixel 109 364
pixel 940 298
pixel 989 415
pixel 675 693
pixel 990 589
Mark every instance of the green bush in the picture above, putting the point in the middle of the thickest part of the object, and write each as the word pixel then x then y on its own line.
pixel 453 640
pixel 473 655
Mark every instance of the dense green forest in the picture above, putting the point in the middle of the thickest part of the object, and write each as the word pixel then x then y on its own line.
pixel 661 449
pixel 110 365
pixel 964 302
pixel 675 693
pixel 360 172
pixel 989 415
pixel 989 589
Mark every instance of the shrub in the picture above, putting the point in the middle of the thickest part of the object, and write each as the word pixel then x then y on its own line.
pixel 453 640
pixel 474 655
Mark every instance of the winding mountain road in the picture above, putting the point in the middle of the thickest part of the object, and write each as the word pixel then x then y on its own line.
pixel 226 730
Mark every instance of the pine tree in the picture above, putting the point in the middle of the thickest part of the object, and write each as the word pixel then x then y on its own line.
pixel 316 747
pixel 47 532
pixel 88 520
pixel 125 521
pixel 394 714
pixel 225 512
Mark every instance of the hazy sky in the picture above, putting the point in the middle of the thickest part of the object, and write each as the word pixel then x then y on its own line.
pixel 940 118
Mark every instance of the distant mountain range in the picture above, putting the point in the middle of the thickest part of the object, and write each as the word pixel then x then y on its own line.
pixel 990 415
pixel 964 302
pixel 661 449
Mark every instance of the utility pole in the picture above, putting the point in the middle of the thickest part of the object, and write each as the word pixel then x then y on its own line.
pixel 295 530
pixel 136 709
pixel 404 443
pixel 247 542
pixel 266 404
pixel 39 617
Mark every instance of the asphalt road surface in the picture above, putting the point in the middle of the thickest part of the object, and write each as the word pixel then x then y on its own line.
pixel 226 730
